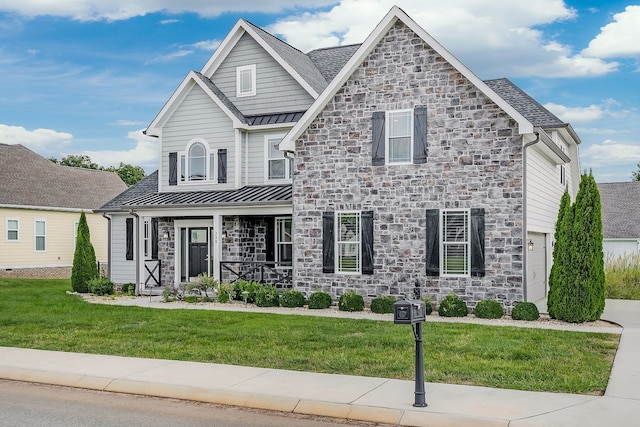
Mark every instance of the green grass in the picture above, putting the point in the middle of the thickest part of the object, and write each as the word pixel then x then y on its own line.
pixel 39 314
pixel 623 277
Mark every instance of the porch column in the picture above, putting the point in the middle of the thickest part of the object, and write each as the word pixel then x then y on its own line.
pixel 217 245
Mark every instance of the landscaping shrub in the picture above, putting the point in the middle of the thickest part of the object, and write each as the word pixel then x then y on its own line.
pixel 84 266
pixel 428 305
pixel 241 286
pixel 267 296
pixel 128 288
pixel 292 298
pixel 319 300
pixel 525 311
pixel 224 292
pixel 452 306
pixel 100 286
pixel 489 309
pixel 383 304
pixel 350 301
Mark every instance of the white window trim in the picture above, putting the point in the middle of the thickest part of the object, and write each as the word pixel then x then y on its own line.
pixel 338 242
pixel 211 174
pixel 387 127
pixel 35 235
pixel 239 71
pixel 468 242
pixel 287 162
pixel 17 230
pixel 146 238
pixel 277 241
pixel 75 234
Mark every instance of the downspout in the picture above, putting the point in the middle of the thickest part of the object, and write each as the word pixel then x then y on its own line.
pixel 108 218
pixel 136 253
pixel 524 212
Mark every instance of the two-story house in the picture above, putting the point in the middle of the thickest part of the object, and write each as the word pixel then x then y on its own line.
pixel 366 167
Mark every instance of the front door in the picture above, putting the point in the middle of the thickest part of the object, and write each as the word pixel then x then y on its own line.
pixel 198 252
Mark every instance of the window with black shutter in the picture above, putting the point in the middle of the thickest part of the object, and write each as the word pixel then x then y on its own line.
pixel 347 242
pixel 399 136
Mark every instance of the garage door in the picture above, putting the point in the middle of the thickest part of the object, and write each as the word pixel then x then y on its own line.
pixel 536 267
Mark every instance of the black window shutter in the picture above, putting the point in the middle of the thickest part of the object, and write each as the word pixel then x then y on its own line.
pixel 154 238
pixel 366 218
pixel 270 239
pixel 477 242
pixel 222 166
pixel 377 135
pixel 328 242
pixel 420 135
pixel 433 242
pixel 173 168
pixel 129 237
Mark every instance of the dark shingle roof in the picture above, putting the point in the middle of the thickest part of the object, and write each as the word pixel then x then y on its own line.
pixel 148 184
pixel 331 60
pixel 524 104
pixel 28 179
pixel 245 196
pixel 620 209
pixel 298 60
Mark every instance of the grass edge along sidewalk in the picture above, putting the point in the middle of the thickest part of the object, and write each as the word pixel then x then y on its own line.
pixel 40 314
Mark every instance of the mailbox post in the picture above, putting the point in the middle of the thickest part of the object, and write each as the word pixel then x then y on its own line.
pixel 413 313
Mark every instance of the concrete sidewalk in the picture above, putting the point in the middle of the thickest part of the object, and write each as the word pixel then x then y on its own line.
pixel 359 398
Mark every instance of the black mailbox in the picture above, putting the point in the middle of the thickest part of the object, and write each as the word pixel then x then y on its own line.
pixel 408 312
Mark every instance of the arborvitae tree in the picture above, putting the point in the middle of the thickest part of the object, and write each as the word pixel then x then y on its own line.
pixel 580 295
pixel 84 258
pixel 560 253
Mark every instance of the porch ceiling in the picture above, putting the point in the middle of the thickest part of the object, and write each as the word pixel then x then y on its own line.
pixel 245 196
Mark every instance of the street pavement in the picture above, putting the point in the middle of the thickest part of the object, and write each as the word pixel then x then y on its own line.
pixel 350 397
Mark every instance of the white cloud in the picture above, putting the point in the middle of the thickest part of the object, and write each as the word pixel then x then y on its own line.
pixel 45 142
pixel 610 153
pixel 144 153
pixel 169 21
pixel 114 10
pixel 607 109
pixel 619 38
pixel 494 38
pixel 127 123
pixel 207 45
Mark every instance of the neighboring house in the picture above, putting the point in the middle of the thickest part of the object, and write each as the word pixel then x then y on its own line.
pixel 365 167
pixel 40 205
pixel 620 218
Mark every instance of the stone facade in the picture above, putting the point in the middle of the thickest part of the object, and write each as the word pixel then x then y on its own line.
pixel 474 161
pixel 37 273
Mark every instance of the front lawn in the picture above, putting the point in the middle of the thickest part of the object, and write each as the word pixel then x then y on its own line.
pixel 40 314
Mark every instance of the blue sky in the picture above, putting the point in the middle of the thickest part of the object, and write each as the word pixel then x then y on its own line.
pixel 87 76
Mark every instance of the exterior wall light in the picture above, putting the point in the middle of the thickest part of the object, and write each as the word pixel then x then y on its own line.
pixel 530 245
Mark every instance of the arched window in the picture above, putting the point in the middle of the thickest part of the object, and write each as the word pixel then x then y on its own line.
pixel 197 162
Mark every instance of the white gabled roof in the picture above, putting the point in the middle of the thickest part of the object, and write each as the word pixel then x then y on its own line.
pixel 395 14
pixel 192 79
pixel 239 29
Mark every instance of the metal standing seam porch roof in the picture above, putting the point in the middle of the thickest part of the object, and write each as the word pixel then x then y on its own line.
pixel 246 196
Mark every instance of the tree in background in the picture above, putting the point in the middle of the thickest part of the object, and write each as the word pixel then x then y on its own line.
pixel 578 294
pixel 635 176
pixel 84 258
pixel 561 238
pixel 128 173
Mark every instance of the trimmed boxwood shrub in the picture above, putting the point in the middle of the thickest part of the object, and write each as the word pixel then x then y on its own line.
pixel 350 301
pixel 319 300
pixel 267 296
pixel 383 304
pixel 452 306
pixel 128 288
pixel 100 286
pixel 428 306
pixel 525 311
pixel 292 298
pixel 489 309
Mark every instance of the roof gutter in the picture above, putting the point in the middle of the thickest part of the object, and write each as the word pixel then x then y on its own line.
pixel 524 211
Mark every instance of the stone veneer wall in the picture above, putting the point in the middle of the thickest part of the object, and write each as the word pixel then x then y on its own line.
pixel 166 252
pixel 37 272
pixel 474 161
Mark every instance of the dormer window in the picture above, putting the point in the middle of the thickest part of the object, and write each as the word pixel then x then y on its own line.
pixel 246 80
pixel 197 162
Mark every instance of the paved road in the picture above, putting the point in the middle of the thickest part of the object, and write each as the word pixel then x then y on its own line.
pixel 34 405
